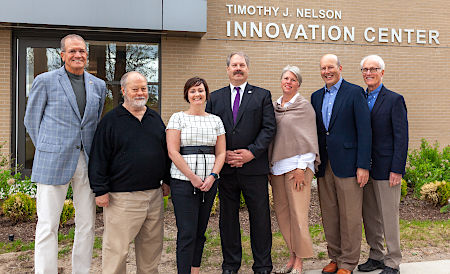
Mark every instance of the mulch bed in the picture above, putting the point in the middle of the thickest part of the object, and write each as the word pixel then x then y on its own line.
pixel 410 209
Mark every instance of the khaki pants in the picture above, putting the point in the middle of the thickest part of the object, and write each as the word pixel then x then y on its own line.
pixel 132 216
pixel 381 218
pixel 341 206
pixel 291 209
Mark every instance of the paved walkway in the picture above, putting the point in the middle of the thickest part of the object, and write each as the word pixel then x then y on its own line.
pixel 431 267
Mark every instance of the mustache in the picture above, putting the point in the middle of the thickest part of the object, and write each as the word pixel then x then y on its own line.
pixel 238 72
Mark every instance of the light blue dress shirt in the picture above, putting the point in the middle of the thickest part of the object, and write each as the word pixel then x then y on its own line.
pixel 372 96
pixel 328 102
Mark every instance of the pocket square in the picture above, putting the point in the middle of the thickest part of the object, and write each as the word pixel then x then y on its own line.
pixel 250 91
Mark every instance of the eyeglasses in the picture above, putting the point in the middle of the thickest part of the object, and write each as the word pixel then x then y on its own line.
pixel 372 70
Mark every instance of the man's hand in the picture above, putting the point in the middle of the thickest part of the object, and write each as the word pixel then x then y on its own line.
pixel 233 159
pixel 299 179
pixel 165 189
pixel 103 200
pixel 394 179
pixel 362 175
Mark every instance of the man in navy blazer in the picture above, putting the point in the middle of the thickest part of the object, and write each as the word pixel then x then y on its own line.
pixel 389 150
pixel 248 116
pixel 62 113
pixel 343 128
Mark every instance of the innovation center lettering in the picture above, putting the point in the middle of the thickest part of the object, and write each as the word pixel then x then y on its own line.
pixel 317 32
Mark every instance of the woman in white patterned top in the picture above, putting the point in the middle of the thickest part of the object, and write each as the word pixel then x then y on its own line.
pixel 196 145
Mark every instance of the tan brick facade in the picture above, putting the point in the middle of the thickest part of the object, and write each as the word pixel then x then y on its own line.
pixel 417 71
pixel 5 89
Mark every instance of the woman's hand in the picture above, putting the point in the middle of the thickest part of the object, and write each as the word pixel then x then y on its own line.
pixel 207 184
pixel 196 181
pixel 298 175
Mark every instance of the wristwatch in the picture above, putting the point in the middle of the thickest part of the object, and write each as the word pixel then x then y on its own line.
pixel 215 175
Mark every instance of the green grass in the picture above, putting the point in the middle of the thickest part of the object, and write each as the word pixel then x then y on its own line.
pixel 18 245
pixel 98 243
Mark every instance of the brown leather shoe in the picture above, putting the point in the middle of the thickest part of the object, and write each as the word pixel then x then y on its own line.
pixel 330 268
pixel 344 271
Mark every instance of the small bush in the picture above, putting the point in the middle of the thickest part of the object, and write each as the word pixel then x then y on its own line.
pixel 68 212
pixel 445 209
pixel 19 207
pixel 437 192
pixel 427 164
pixel 404 189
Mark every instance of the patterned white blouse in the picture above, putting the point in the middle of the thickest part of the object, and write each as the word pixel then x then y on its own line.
pixel 196 130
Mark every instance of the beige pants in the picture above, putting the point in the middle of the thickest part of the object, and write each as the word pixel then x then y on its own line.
pixel 380 214
pixel 291 209
pixel 341 206
pixel 133 216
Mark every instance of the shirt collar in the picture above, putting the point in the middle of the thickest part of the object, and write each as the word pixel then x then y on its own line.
pixel 123 111
pixel 241 86
pixel 335 87
pixel 290 101
pixel 375 91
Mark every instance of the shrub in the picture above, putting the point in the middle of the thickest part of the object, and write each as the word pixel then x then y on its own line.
pixel 427 164
pixel 437 192
pixel 67 213
pixel 404 189
pixel 19 207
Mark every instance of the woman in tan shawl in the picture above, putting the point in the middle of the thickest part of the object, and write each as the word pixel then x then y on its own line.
pixel 294 156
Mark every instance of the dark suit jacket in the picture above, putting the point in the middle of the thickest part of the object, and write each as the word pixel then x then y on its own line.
pixel 347 143
pixel 254 129
pixel 389 135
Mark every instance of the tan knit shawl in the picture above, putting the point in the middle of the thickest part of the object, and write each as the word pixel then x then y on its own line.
pixel 296 131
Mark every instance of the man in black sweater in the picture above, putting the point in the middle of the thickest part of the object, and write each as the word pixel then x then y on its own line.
pixel 127 163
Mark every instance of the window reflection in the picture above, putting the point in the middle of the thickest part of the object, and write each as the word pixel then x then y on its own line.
pixel 108 61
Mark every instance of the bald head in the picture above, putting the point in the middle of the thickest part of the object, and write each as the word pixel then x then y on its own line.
pixel 330 69
pixel 132 75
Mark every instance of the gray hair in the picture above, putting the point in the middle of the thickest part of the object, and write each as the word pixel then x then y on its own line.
pixel 124 79
pixel 338 62
pixel 375 58
pixel 295 70
pixel 240 53
pixel 71 36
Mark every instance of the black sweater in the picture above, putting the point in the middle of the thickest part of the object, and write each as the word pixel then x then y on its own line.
pixel 128 154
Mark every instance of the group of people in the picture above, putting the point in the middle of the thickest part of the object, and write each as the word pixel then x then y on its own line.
pixel 233 140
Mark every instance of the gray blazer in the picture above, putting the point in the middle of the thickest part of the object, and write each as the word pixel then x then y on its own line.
pixel 53 121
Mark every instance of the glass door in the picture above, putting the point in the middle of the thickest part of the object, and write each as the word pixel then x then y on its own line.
pixel 107 60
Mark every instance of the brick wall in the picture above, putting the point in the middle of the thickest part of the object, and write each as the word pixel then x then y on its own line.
pixel 419 72
pixel 5 89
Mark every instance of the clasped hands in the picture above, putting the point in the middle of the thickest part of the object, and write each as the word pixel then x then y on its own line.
pixel 238 157
pixel 202 185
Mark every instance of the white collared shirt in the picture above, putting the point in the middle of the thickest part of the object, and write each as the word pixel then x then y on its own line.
pixel 233 93
pixel 301 161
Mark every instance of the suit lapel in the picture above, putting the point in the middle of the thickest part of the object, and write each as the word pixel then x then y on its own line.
pixel 245 99
pixel 227 103
pixel 88 85
pixel 379 101
pixel 337 103
pixel 67 87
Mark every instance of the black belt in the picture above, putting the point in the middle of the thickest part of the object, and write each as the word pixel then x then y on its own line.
pixel 197 150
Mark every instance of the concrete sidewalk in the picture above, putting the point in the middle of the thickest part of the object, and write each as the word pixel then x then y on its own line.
pixel 430 267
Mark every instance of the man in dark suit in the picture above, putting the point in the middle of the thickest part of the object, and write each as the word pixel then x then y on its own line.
pixel 343 128
pixel 249 120
pixel 389 151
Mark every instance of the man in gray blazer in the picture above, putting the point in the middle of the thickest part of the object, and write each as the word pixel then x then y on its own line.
pixel 63 109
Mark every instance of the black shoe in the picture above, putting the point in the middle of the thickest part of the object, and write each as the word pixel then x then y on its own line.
pixel 227 271
pixel 263 272
pixel 371 265
pixel 389 270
